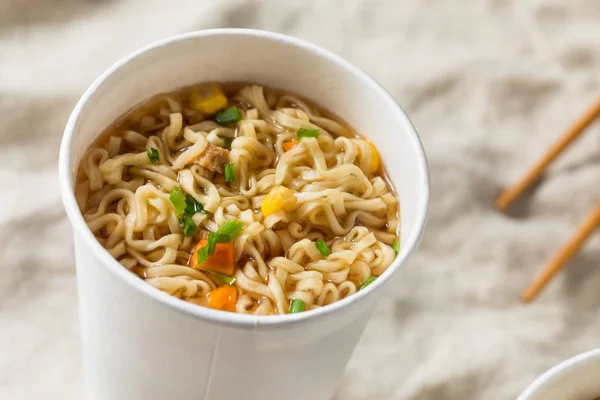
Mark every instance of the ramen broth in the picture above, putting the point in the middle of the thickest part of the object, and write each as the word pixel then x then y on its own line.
pixel 241 198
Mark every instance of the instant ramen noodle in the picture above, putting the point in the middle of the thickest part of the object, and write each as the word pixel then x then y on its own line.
pixel 241 198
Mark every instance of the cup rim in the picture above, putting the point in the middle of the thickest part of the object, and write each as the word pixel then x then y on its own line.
pixel 556 372
pixel 81 229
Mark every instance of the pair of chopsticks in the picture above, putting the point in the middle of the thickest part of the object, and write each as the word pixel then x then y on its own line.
pixel 507 197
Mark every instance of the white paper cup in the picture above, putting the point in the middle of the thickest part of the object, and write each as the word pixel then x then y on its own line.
pixel 140 343
pixel 578 378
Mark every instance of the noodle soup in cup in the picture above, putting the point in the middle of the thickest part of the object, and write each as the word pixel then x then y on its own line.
pixel 574 379
pixel 141 215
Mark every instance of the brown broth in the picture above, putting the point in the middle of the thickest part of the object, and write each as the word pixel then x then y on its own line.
pixel 152 106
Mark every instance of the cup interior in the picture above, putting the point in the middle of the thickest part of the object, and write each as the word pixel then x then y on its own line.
pixel 272 60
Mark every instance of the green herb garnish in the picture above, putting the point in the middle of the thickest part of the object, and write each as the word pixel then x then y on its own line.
pixel 227 142
pixel 189 226
pixel 185 203
pixel 297 306
pixel 367 282
pixel 178 199
pixel 214 238
pixel 225 234
pixel 192 206
pixel 153 155
pixel 228 116
pixel 231 228
pixel 230 280
pixel 203 254
pixel 302 133
pixel 322 247
pixel 229 173
pixel 396 246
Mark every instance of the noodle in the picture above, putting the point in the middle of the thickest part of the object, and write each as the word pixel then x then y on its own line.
pixel 334 218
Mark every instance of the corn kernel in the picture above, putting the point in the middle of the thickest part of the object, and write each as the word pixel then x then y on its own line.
pixel 279 198
pixel 208 101
pixel 375 160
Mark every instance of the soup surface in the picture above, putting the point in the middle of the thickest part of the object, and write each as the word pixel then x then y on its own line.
pixel 240 198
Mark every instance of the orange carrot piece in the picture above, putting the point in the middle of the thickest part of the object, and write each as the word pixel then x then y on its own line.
pixel 223 298
pixel 223 261
pixel 287 146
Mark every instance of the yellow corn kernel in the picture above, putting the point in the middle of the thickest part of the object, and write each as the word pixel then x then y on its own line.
pixel 279 198
pixel 375 160
pixel 208 101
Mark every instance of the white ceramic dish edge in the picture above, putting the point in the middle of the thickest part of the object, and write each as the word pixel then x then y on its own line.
pixel 577 378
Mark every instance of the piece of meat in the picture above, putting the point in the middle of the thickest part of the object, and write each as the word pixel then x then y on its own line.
pixel 213 158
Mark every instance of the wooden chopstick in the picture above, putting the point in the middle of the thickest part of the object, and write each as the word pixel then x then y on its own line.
pixel 565 254
pixel 507 197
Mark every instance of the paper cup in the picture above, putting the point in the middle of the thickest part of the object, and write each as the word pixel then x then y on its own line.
pixel 140 343
pixel 578 378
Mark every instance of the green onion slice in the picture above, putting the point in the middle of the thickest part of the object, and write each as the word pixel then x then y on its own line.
pixel 153 155
pixel 213 239
pixel 203 255
pixel 322 247
pixel 367 282
pixel 227 142
pixel 189 226
pixel 297 306
pixel 229 173
pixel 396 246
pixel 302 133
pixel 230 280
pixel 212 243
pixel 231 228
pixel 228 116
pixel 178 199
pixel 192 206
pixel 226 233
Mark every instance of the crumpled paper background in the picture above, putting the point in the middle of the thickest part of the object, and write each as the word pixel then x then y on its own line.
pixel 489 84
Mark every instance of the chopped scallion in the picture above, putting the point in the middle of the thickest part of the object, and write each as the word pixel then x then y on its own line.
pixel 213 239
pixel 228 116
pixel 153 155
pixel 322 247
pixel 396 246
pixel 225 234
pixel 229 173
pixel 192 206
pixel 297 306
pixel 227 142
pixel 202 255
pixel 302 133
pixel 230 280
pixel 189 226
pixel 178 199
pixel 367 282
pixel 231 228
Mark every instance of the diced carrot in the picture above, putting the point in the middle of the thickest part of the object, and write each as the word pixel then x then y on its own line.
pixel 222 261
pixel 223 298
pixel 287 146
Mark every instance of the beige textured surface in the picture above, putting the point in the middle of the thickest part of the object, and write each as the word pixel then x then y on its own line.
pixel 488 83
